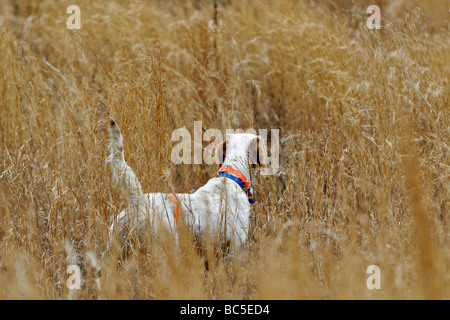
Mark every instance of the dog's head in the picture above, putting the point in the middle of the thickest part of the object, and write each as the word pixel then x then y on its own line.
pixel 243 151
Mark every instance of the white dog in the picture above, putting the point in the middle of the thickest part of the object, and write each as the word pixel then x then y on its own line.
pixel 220 208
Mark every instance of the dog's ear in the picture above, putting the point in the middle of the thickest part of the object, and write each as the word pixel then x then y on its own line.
pixel 260 151
pixel 253 151
pixel 222 151
pixel 257 151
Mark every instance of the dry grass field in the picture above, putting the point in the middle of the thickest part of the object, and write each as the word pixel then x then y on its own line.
pixel 364 122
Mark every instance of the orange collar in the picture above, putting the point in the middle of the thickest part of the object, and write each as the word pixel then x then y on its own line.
pixel 236 173
pixel 239 178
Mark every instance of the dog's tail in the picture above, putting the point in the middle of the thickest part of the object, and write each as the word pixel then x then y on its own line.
pixel 122 172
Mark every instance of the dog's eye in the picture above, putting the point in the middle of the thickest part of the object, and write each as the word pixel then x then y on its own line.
pixel 253 166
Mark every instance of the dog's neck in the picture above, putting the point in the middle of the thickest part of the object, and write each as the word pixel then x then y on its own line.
pixel 238 163
pixel 237 153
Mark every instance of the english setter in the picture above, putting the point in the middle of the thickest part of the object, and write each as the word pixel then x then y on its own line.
pixel 220 208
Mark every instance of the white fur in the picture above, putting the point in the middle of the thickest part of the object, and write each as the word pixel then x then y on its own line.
pixel 218 208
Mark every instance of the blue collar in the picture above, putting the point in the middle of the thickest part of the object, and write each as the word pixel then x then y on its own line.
pixel 241 183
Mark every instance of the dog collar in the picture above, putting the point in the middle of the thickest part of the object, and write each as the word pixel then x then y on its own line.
pixel 239 178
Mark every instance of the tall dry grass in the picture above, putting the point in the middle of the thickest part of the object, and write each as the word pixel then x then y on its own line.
pixel 364 119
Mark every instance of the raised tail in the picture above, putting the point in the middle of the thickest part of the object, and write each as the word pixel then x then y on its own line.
pixel 122 172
